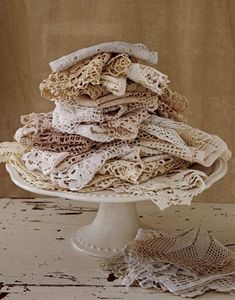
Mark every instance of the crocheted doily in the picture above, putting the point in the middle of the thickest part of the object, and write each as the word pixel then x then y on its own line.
pixel 108 72
pixel 186 264
pixel 138 51
pixel 116 126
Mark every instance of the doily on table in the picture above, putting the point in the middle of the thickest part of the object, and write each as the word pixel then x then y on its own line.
pixel 186 264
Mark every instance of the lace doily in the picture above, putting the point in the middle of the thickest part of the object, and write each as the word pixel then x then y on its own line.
pixel 117 66
pixel 123 128
pixel 72 82
pixel 58 141
pixel 193 145
pixel 186 264
pixel 33 123
pixel 116 86
pixel 138 51
pixel 139 171
pixel 76 172
pixel 116 125
pixel 36 178
pixel 96 75
pixel 148 77
pixel 8 149
pixel 174 100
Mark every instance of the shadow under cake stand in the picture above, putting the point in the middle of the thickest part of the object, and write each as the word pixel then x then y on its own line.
pixel 116 222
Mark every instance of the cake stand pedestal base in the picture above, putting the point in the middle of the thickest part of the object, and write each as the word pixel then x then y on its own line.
pixel 116 222
pixel 114 226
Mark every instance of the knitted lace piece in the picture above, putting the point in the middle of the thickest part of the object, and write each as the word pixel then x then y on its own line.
pixel 140 171
pixel 93 91
pixel 34 123
pixel 117 66
pixel 72 82
pixel 42 160
pixel 133 91
pixel 178 187
pixel 138 51
pixel 69 113
pixel 172 105
pixel 183 141
pixel 8 149
pixel 58 141
pixel 148 77
pixel 122 128
pixel 186 264
pixel 176 101
pixel 164 110
pixel 78 172
pixel 116 86
pixel 161 134
pixel 36 178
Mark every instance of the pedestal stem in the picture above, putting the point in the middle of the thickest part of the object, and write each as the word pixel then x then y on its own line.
pixel 113 227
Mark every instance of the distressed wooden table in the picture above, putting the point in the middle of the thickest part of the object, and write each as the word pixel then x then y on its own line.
pixel 38 262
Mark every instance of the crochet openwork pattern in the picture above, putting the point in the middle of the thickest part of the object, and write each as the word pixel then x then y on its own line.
pixel 116 125
pixel 186 264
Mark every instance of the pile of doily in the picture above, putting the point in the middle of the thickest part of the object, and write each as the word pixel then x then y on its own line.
pixel 186 264
pixel 116 126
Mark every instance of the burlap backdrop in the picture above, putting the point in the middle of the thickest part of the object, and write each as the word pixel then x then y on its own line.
pixel 194 39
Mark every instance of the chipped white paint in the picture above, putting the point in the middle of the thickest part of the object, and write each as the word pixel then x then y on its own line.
pixel 38 262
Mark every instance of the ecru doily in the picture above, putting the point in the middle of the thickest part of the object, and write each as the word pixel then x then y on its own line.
pixel 138 51
pixel 116 125
pixel 186 264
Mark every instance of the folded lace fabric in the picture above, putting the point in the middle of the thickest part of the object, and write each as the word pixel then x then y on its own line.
pixel 183 141
pixel 138 51
pixel 76 80
pixel 123 128
pixel 61 171
pixel 52 140
pixel 46 170
pixel 74 173
pixel 116 125
pixel 139 171
pixel 176 187
pixel 8 149
pixel 34 123
pixel 171 137
pixel 186 264
pixel 148 77
pixel 36 178
pixel 103 69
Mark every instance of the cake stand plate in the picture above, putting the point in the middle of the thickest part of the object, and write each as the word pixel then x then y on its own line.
pixel 116 222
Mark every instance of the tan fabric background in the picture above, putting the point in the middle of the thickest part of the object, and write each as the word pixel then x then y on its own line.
pixel 194 39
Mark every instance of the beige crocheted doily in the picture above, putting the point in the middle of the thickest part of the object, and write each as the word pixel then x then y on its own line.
pixel 186 264
pixel 116 125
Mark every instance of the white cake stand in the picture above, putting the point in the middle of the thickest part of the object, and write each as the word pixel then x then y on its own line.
pixel 116 222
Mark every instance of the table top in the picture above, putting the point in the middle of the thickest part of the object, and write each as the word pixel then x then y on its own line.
pixel 38 262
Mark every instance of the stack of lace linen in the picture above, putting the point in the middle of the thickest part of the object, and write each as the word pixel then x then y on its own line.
pixel 186 264
pixel 116 126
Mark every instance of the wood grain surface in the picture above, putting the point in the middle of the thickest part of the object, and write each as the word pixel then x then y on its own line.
pixel 38 262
